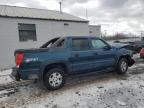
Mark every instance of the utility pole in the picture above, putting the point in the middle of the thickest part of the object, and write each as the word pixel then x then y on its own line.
pixel 86 14
pixel 141 34
pixel 60 3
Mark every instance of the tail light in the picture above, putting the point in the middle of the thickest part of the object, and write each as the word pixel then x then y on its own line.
pixel 142 50
pixel 19 59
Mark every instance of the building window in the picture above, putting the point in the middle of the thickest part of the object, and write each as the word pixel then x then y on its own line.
pixel 27 32
pixel 90 31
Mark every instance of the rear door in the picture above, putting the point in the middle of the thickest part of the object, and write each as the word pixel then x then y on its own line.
pixel 81 55
pixel 103 55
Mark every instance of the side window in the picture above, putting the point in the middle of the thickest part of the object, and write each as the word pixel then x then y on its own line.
pixel 60 44
pixel 80 44
pixel 97 44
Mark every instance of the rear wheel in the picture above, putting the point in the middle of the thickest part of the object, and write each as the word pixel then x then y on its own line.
pixel 54 79
pixel 122 66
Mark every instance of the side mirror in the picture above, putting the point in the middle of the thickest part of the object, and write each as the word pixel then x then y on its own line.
pixel 107 47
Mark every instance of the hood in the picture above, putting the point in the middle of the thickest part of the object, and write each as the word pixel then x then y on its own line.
pixel 126 47
pixel 118 45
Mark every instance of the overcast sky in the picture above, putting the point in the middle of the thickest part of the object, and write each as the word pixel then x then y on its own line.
pixel 114 15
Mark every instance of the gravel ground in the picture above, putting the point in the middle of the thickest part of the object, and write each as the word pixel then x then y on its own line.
pixel 107 90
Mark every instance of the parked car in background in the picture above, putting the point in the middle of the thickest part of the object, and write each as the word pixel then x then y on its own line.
pixel 142 53
pixel 142 38
pixel 139 45
pixel 54 61
pixel 116 41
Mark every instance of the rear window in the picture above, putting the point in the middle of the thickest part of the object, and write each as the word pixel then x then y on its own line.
pixel 60 44
pixel 49 43
pixel 80 44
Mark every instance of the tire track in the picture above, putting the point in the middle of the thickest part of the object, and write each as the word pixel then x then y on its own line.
pixel 10 88
pixel 14 84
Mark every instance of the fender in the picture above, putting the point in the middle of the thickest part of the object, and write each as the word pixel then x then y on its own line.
pixel 44 65
pixel 124 53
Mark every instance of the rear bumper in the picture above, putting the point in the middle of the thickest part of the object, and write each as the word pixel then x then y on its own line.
pixel 24 75
pixel 15 75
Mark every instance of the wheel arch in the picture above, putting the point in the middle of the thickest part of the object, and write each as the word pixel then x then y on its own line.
pixel 127 57
pixel 49 66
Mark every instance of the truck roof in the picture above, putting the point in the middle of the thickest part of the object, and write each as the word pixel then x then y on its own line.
pixel 82 37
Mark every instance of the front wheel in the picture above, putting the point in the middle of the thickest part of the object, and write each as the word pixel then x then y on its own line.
pixel 122 66
pixel 54 79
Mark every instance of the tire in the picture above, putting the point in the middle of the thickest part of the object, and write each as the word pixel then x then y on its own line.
pixel 54 79
pixel 17 77
pixel 122 66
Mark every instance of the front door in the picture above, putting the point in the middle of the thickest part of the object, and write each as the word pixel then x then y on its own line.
pixel 104 55
pixel 81 55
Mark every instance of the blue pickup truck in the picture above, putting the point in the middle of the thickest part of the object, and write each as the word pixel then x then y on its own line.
pixel 64 56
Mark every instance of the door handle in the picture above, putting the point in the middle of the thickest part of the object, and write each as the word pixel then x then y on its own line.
pixel 76 55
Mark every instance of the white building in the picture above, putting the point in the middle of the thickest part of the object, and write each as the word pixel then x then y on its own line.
pixel 95 30
pixel 29 28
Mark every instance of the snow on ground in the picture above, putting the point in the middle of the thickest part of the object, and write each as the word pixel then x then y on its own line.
pixel 98 91
pixel 5 76
pixel 6 72
pixel 5 79
pixel 107 90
